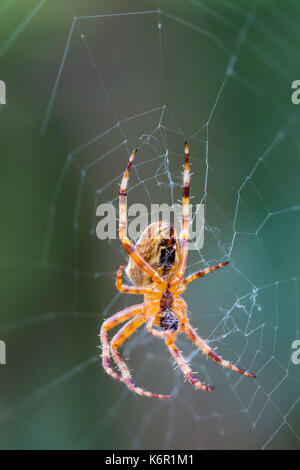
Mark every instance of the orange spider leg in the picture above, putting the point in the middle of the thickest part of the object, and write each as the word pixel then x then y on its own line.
pixel 184 234
pixel 157 333
pixel 111 322
pixel 128 246
pixel 181 361
pixel 117 340
pixel 129 289
pixel 191 333
pixel 194 276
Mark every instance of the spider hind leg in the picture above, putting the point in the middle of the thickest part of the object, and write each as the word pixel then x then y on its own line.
pixel 117 340
pixel 191 333
pixel 181 361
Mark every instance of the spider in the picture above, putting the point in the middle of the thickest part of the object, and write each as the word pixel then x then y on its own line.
pixel 156 267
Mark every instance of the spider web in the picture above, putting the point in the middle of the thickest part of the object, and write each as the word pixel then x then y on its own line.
pixel 151 75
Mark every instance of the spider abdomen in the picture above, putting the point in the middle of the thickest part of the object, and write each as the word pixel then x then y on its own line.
pixel 159 246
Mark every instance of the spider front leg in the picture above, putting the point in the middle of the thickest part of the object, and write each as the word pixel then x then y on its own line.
pixel 111 322
pixel 184 234
pixel 117 340
pixel 181 361
pixel 128 246
pixel 203 272
pixel 191 333
pixel 129 289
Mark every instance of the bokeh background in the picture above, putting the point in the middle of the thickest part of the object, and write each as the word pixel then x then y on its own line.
pixel 87 81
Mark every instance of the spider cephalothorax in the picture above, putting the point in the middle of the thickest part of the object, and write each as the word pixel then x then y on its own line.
pixel 156 268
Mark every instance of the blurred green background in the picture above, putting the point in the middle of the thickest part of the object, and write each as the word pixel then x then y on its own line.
pixel 86 82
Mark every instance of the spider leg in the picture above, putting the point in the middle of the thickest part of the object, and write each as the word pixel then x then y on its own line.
pixel 117 340
pixel 181 361
pixel 128 246
pixel 184 234
pixel 157 333
pixel 191 333
pixel 111 322
pixel 202 273
pixel 129 289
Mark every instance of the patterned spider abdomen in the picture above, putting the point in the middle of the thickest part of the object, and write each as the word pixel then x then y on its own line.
pixel 159 246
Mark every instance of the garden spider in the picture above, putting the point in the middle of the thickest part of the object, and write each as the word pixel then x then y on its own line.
pixel 156 267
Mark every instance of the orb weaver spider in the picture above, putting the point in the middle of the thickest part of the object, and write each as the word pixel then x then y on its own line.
pixel 156 268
